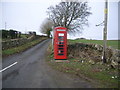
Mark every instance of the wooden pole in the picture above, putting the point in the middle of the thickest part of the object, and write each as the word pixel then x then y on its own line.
pixel 105 32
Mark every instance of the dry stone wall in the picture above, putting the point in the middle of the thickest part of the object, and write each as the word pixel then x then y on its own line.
pixel 17 42
pixel 93 52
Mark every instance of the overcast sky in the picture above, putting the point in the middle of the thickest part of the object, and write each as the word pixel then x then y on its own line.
pixel 28 16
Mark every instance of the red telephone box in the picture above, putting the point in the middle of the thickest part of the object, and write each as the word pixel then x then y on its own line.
pixel 60 43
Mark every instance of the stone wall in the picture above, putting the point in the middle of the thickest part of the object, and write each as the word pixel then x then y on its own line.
pixel 93 52
pixel 17 42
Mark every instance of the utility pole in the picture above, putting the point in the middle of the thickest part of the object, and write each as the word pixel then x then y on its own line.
pixel 105 31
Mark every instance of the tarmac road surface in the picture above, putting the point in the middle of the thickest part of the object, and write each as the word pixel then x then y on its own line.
pixel 29 70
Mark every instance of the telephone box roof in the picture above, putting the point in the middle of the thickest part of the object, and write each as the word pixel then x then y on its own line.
pixel 60 28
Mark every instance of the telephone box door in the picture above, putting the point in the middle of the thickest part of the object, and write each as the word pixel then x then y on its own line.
pixel 60 43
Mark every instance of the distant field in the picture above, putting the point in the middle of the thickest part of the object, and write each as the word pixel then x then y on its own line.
pixel 113 43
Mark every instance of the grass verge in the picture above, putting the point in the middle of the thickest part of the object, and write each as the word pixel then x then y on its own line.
pixel 21 48
pixel 101 75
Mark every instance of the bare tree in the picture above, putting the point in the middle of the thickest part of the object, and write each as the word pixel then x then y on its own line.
pixel 46 27
pixel 72 15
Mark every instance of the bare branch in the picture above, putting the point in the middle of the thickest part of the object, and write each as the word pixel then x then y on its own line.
pixel 72 15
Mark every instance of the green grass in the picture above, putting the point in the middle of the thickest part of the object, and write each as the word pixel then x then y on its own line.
pixel 100 75
pixel 21 48
pixel 112 43
pixel 24 35
pixel 101 78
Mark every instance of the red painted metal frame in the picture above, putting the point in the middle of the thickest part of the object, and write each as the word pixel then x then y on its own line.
pixel 60 43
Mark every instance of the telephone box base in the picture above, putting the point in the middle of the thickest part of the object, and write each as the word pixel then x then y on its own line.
pixel 62 60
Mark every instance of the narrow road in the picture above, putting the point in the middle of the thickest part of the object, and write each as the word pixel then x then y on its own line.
pixel 29 70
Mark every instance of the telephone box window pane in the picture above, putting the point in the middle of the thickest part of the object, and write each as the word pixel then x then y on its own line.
pixel 60 54
pixel 61 34
pixel 60 51
pixel 61 40
pixel 60 48
pixel 60 45
pixel 60 37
